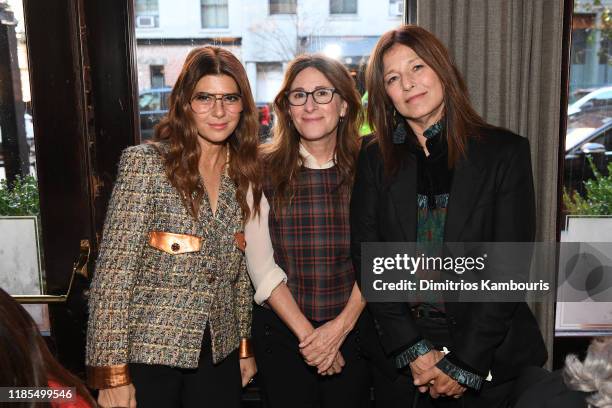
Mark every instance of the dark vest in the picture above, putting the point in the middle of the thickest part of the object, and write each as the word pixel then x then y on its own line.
pixel 311 241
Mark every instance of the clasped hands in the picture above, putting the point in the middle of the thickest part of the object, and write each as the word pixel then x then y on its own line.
pixel 321 348
pixel 428 377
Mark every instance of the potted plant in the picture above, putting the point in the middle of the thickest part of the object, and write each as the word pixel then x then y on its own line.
pixel 590 216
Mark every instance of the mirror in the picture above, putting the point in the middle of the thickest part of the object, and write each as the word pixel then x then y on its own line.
pixel 592 148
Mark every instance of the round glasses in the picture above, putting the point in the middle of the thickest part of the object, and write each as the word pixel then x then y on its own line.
pixel 203 102
pixel 321 96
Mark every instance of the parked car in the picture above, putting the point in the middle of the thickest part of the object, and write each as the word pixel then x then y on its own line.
pixel 579 93
pixel 582 143
pixel 597 100
pixel 153 105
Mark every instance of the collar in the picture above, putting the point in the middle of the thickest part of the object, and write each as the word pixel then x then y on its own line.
pixel 434 129
pixel 309 161
pixel 436 142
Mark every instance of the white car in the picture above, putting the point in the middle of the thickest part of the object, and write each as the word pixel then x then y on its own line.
pixel 599 99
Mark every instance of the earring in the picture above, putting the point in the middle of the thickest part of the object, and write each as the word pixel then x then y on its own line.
pixel 399 133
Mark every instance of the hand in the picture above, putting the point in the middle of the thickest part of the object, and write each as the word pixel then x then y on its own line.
pixel 424 363
pixel 336 366
pixel 440 384
pixel 319 348
pixel 248 369
pixel 123 396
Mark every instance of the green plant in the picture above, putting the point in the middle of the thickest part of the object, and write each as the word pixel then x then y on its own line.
pixel 20 198
pixel 598 197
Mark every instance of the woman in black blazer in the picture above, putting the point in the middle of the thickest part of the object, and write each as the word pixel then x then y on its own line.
pixel 436 172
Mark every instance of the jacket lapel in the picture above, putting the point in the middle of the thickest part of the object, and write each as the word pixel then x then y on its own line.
pixel 403 193
pixel 226 204
pixel 465 190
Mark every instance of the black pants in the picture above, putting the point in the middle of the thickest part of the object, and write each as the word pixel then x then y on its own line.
pixel 401 393
pixel 206 386
pixel 287 381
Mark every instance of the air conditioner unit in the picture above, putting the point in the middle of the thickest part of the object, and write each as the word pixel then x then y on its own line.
pixel 145 21
pixel 397 8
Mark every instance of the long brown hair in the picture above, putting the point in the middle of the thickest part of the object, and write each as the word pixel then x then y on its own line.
pixel 281 156
pixel 24 357
pixel 178 129
pixel 462 121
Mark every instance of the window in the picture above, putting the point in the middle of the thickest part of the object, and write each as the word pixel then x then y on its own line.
pixel 214 14
pixel 21 268
pixel 283 6
pixel 585 211
pixel 343 7
pixel 147 13
pixel 158 79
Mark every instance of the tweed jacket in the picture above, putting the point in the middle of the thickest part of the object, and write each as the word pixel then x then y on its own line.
pixel 150 304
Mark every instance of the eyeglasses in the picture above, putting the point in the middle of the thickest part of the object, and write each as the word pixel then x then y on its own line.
pixel 321 96
pixel 203 102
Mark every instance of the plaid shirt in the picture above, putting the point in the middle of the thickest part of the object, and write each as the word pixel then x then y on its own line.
pixel 311 241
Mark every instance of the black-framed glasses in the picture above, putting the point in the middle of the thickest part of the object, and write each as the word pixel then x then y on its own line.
pixel 203 102
pixel 321 96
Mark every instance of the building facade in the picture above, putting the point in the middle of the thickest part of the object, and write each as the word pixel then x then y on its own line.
pixel 264 34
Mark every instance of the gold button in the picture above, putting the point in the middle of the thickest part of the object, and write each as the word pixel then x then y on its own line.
pixel 175 247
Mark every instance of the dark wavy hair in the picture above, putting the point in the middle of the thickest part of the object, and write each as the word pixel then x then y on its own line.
pixel 25 360
pixel 462 121
pixel 178 129
pixel 281 157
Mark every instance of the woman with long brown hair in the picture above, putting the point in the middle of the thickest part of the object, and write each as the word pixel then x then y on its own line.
pixel 26 361
pixel 171 300
pixel 304 332
pixel 436 172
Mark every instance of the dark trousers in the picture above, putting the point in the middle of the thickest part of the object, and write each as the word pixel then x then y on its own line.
pixel 287 381
pixel 401 393
pixel 209 385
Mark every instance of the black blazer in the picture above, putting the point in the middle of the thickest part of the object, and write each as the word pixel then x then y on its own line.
pixel 491 200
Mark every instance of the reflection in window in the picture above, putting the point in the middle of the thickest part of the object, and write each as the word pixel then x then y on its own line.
pixel 214 14
pixel 283 6
pixel 147 14
pixel 343 7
